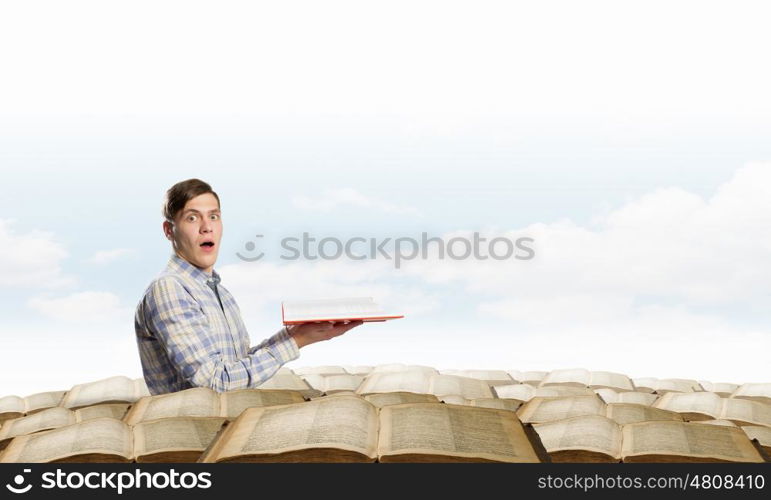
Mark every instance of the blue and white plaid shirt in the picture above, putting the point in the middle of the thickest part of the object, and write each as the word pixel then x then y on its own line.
pixel 187 339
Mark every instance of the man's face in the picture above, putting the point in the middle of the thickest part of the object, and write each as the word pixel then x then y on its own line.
pixel 197 231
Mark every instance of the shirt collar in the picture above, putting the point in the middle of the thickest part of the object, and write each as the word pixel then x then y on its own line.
pixel 181 266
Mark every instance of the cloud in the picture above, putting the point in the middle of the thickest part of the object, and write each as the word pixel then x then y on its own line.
pixel 88 307
pixel 669 246
pixel 106 256
pixel 346 197
pixel 665 278
pixel 30 259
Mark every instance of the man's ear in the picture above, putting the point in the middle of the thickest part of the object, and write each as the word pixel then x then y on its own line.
pixel 168 230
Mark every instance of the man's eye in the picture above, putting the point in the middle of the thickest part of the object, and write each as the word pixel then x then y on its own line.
pixel 191 218
pixel 215 217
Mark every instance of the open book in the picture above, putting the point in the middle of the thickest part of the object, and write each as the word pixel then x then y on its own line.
pixel 755 392
pixel 178 439
pixel 595 438
pixel 640 398
pixel 14 406
pixel 660 386
pixel 541 410
pixel 349 309
pixel 53 418
pixel 762 435
pixel 118 389
pixel 424 382
pixel 708 405
pixel 205 402
pixel 526 392
pixel 349 428
pixel 580 377
pixel 329 384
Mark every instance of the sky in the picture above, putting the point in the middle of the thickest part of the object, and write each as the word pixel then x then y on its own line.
pixel 630 142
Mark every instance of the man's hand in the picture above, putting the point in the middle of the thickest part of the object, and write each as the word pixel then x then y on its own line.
pixel 309 333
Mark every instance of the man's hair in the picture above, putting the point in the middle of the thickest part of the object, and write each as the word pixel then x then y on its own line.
pixel 182 192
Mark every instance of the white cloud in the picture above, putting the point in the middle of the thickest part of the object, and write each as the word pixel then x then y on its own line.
pixel 107 256
pixel 346 197
pixel 83 307
pixel 30 259
pixel 668 245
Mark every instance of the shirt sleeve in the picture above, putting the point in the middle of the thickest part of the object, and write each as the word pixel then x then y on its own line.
pixel 282 342
pixel 184 331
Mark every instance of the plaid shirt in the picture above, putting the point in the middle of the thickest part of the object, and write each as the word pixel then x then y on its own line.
pixel 187 339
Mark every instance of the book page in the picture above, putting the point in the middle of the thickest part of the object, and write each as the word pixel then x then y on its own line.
pixel 232 403
pixel 297 311
pixel 408 381
pixel 43 400
pixel 645 384
pixel 522 392
pixel 358 369
pixel 589 432
pixel 113 390
pixel 677 385
pixel 342 422
pixel 532 377
pixel 195 402
pixel 640 398
pixel 625 413
pixel 492 377
pixel 759 432
pixel 175 434
pixel 689 440
pixel 634 397
pixel 607 395
pixel 315 381
pixel 563 390
pixel 573 376
pixel 398 398
pixel 102 435
pixel 319 370
pixel 705 403
pixel 469 388
pixel 451 430
pixel 50 418
pixel 612 380
pixel 540 409
pixel 717 421
pixel 288 381
pixel 758 392
pixel 722 389
pixel 747 411
pixel 11 404
pixel 140 389
pixel 454 399
pixel 112 410
pixel 333 383
pixel 501 404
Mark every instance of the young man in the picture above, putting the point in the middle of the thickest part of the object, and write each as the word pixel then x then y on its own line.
pixel 188 326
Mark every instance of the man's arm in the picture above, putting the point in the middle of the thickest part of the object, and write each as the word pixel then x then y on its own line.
pixel 308 333
pixel 184 331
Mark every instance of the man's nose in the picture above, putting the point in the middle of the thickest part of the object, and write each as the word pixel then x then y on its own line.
pixel 206 226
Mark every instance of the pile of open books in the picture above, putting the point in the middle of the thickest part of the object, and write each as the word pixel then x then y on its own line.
pixel 393 413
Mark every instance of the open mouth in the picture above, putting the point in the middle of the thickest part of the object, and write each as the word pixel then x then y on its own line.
pixel 207 245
